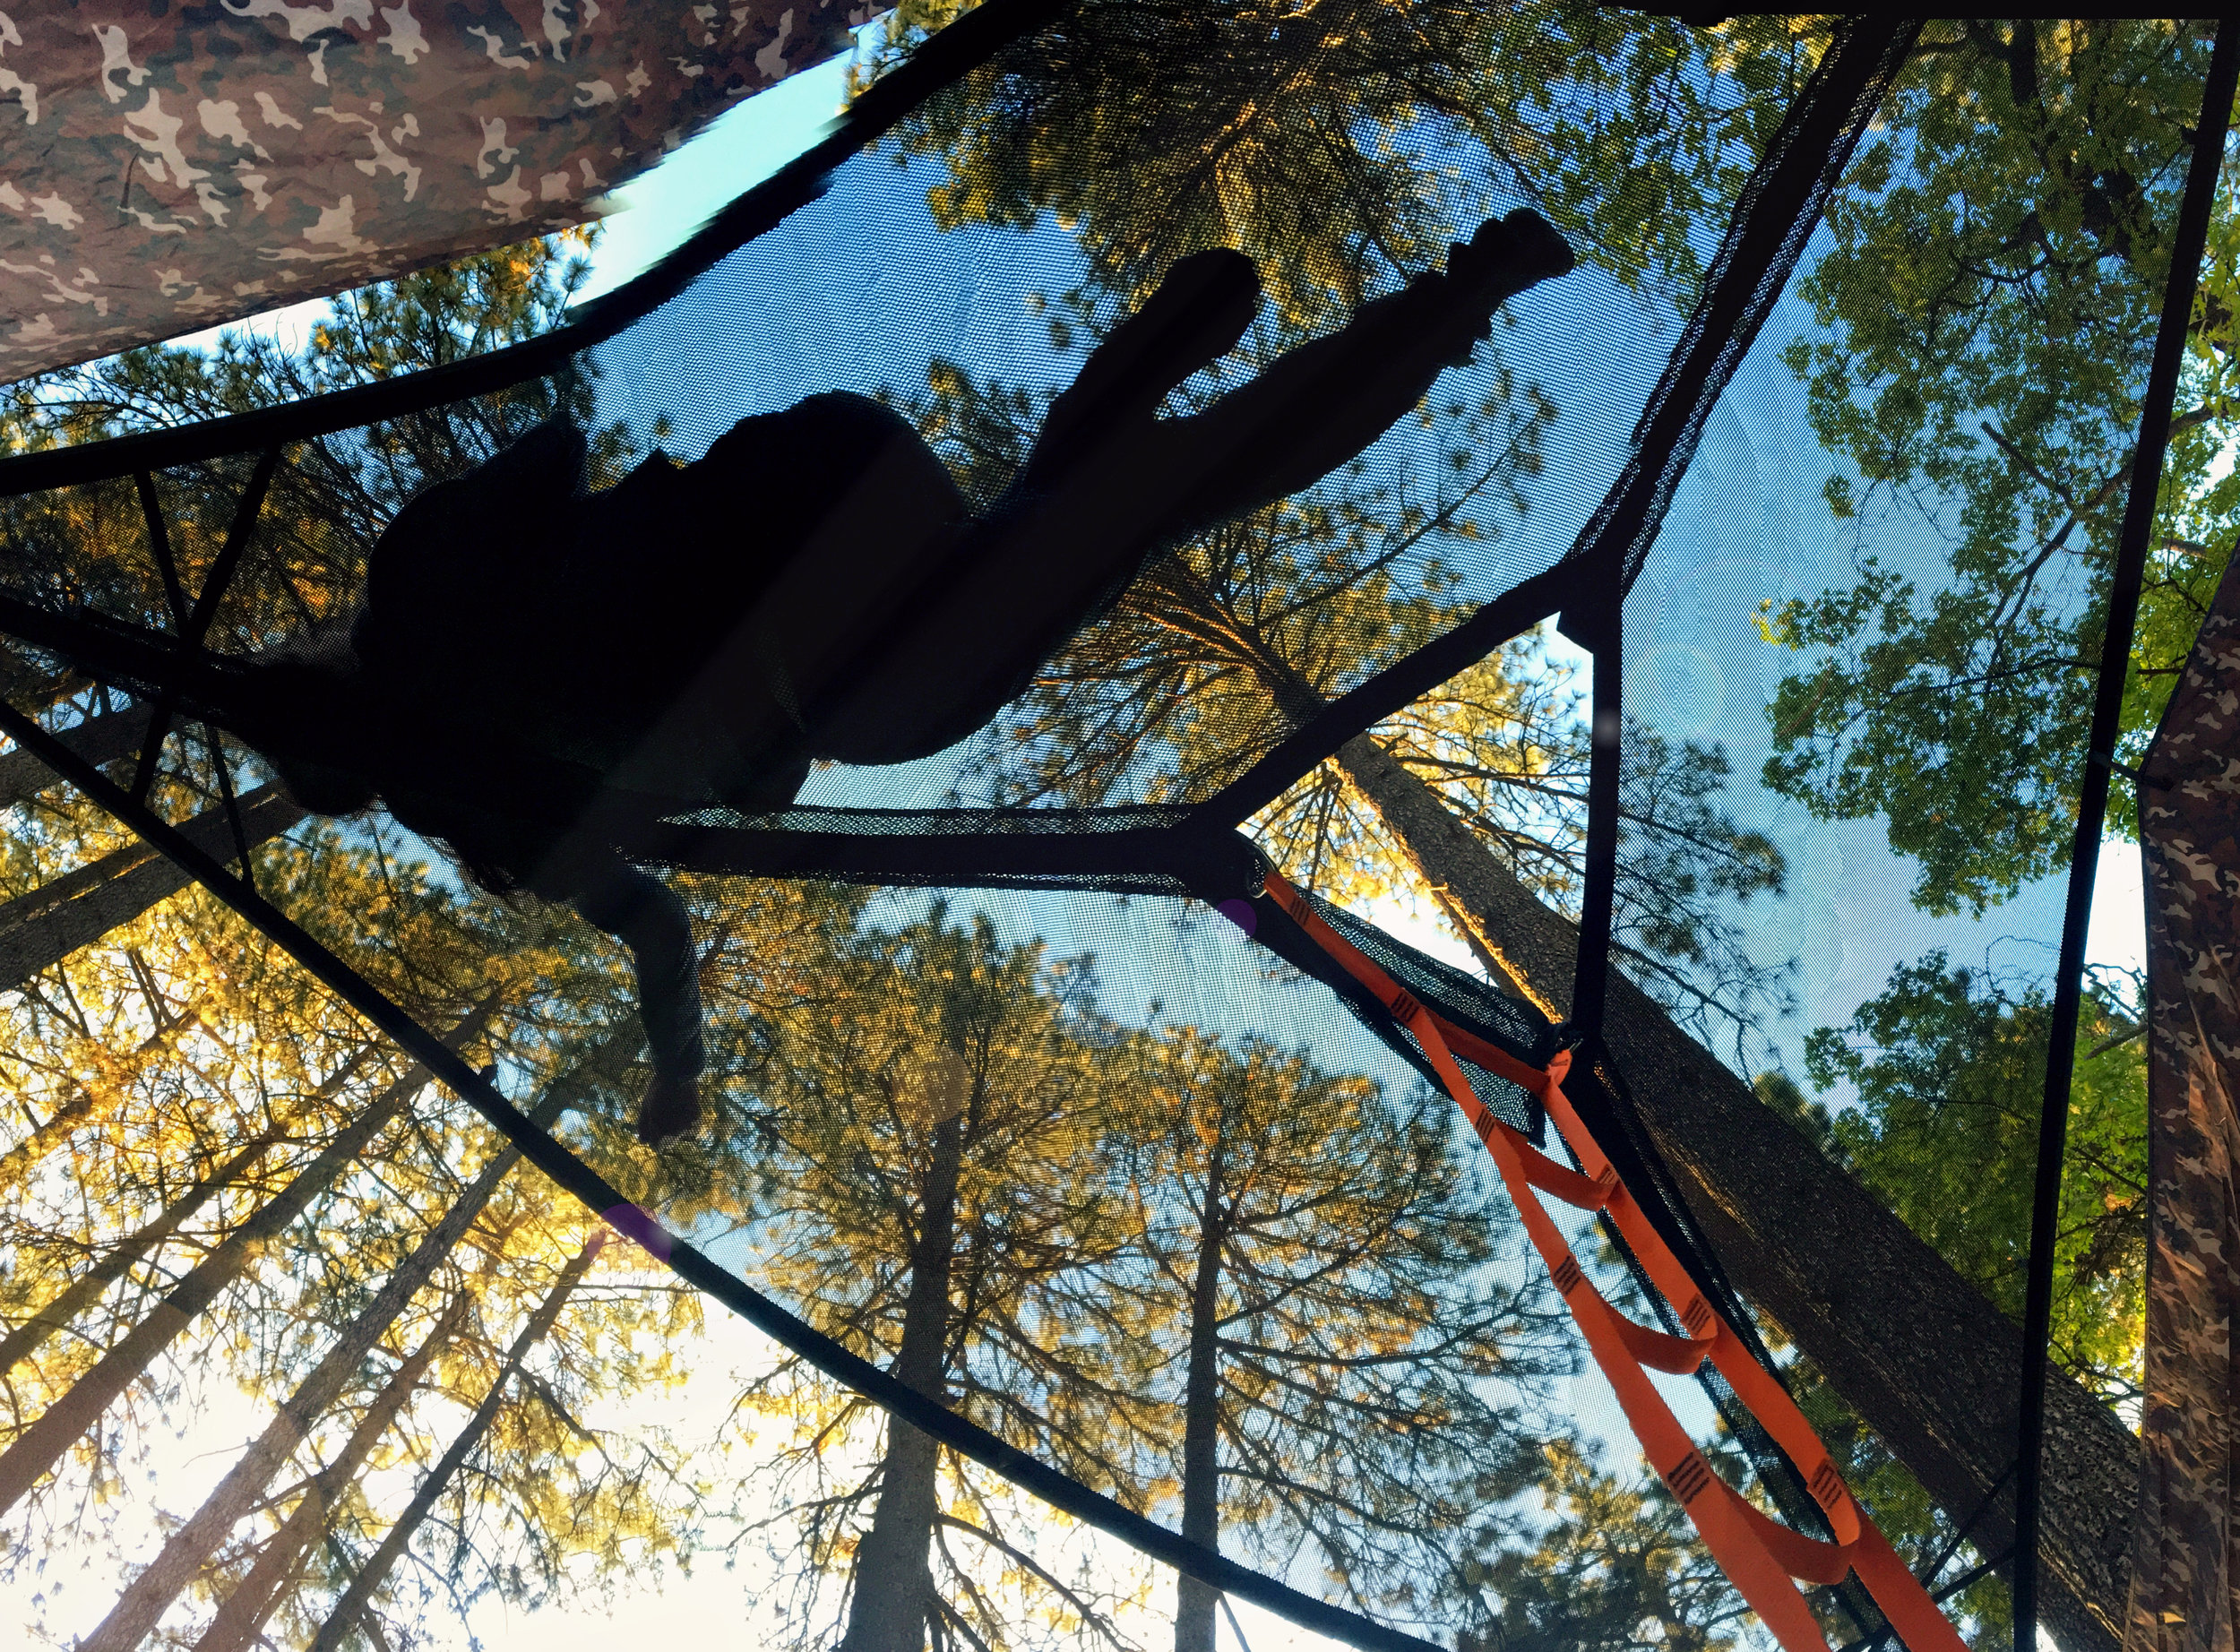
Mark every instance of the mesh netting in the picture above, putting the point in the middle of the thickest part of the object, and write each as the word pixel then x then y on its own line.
pixel 1017 1085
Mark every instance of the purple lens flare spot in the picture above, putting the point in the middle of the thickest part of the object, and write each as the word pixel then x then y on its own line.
pixel 1241 913
pixel 636 1221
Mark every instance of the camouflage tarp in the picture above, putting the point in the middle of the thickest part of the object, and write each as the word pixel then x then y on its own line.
pixel 164 172
pixel 2185 1565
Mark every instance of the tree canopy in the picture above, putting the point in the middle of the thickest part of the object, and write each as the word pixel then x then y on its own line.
pixel 1987 309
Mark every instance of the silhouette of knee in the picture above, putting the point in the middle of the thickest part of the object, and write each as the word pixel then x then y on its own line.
pixel 1196 316
pixel 1208 299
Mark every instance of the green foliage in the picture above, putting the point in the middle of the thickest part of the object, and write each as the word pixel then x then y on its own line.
pixel 952 1222
pixel 1377 1360
pixel 1030 1246
pixel 2000 251
pixel 1949 1068
pixel 1618 1566
pixel 1780 1093
pixel 1340 144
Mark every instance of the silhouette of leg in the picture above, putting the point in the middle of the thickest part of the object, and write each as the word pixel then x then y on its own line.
pixel 989 601
pixel 1196 316
pixel 1318 406
pixel 1110 484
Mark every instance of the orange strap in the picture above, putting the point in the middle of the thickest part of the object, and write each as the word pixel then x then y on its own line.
pixel 1760 1555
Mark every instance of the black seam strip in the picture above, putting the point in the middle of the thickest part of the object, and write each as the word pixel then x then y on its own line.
pixel 1598 906
pixel 597 1195
pixel 1495 621
pixel 2187 246
pixel 1779 207
pixel 659 830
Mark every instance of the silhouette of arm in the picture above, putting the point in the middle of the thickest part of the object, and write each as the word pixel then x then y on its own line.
pixel 642 912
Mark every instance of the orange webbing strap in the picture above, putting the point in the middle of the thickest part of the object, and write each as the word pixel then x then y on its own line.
pixel 1760 1555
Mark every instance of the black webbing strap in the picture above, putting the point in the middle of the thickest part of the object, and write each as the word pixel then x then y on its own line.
pixel 2188 243
pixel 929 1416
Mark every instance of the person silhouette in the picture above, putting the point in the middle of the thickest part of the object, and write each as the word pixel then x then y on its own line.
pixel 813 587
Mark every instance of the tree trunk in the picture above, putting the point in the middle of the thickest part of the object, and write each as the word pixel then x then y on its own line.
pixel 1923 1356
pixel 41 929
pixel 1202 1420
pixel 36 1449
pixel 19 1344
pixel 894 1584
pixel 189 1549
pixel 241 1619
pixel 376 1572
pixel 97 1095
pixel 27 1154
pixel 100 740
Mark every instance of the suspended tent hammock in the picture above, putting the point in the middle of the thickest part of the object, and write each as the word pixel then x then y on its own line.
pixel 694 345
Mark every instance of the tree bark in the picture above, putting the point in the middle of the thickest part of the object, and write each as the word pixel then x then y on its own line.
pixel 100 740
pixel 376 1572
pixel 241 1619
pixel 19 1344
pixel 893 1583
pixel 41 929
pixel 36 1449
pixel 189 1549
pixel 1923 1356
pixel 1194 1601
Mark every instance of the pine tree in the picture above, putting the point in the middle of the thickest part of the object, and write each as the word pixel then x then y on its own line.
pixel 1345 1322
pixel 34 1452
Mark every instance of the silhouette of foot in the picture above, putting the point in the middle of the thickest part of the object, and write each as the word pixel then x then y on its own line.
pixel 1508 254
pixel 670 1108
pixel 1502 259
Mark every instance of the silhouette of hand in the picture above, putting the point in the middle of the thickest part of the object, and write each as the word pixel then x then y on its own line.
pixel 668 1109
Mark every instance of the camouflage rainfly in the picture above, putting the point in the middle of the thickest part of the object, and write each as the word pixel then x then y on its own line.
pixel 167 166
